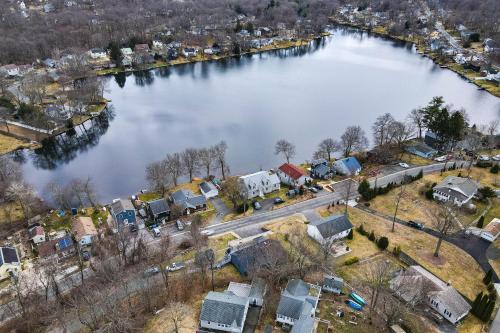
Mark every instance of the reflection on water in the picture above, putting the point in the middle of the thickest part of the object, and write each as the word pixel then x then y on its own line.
pixel 303 94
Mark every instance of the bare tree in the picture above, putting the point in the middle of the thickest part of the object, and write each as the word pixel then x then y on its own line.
pixel 398 200
pixel 158 176
pixel 381 129
pixel 443 221
pixel 191 162
pixel 24 195
pixel 400 132
pixel 376 277
pixel 299 253
pixel 473 141
pixel 233 191
pixel 174 166
pixel 492 129
pixel 417 118
pixel 10 172
pixel 207 158
pixel 220 150
pixel 286 148
pixel 177 312
pixel 328 146
pixel 353 139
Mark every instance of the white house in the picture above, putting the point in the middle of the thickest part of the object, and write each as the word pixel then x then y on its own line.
pixel 259 183
pixel 458 190
pixel 189 52
pixel 36 234
pixel 84 230
pixel 224 311
pixel 10 70
pixel 330 228
pixel 126 51
pixel 208 190
pixel 297 305
pixel 254 292
pixel 9 262
pixel 491 231
pixel 417 284
pixel 292 175
pixel 97 53
pixel 158 45
pixel 348 166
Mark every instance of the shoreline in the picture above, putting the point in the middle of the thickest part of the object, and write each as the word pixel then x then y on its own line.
pixel 467 75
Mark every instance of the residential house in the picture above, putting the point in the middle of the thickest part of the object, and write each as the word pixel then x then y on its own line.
pixel 123 212
pixel 320 169
pixel 330 228
pixel 208 190
pixel 333 284
pixel 259 183
pixel 126 51
pixel 292 175
pixel 127 56
pixel 97 53
pixel 422 150
pixel 84 230
pixel 50 63
pixel 10 70
pixel 256 255
pixel 158 209
pixel 491 231
pixel 348 166
pixel 36 234
pixel 57 249
pixel 208 51
pixel 188 201
pixel 158 45
pixel 297 306
pixel 417 284
pixel 458 190
pixel 141 48
pixel 254 292
pixel 189 52
pixel 224 311
pixel 9 262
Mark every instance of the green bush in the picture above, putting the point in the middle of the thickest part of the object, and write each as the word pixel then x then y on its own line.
pixel 372 236
pixel 396 250
pixel 351 261
pixel 361 230
pixel 480 222
pixel 429 194
pixel 351 235
pixel 383 243
pixel 494 169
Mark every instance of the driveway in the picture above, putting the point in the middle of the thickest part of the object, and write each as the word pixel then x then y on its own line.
pixel 252 320
pixel 221 210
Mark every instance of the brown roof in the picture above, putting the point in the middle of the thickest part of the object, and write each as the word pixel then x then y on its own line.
pixel 292 171
pixel 36 231
pixel 82 226
pixel 493 227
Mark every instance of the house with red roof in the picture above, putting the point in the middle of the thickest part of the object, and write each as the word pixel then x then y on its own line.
pixel 292 175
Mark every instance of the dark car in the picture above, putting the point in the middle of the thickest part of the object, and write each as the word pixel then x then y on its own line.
pixel 133 228
pixel 416 225
pixel 179 225
pixel 318 187
pixel 313 189
pixel 278 201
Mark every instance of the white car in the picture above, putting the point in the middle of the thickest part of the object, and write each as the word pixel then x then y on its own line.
pixel 496 158
pixel 175 266
pixel 207 232
pixel 484 158
pixel 441 158
pixel 404 165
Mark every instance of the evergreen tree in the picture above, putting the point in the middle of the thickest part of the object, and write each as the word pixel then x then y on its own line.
pixel 372 236
pixel 481 308
pixel 476 303
pixel 115 53
pixel 487 277
pixel 480 221
pixel 351 235
pixel 364 189
pixel 488 311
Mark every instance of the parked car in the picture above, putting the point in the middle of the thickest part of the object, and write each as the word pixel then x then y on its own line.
pixel 496 157
pixel 175 266
pixel 278 201
pixel 207 232
pixel 404 165
pixel 133 228
pixel 151 271
pixel 484 158
pixel 416 225
pixel 156 232
pixel 441 158
pixel 256 205
pixel 313 189
pixel 179 225
pixel 318 187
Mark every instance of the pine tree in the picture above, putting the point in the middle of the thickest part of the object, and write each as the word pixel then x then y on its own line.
pixel 482 307
pixel 476 303
pixel 480 222
pixel 488 311
pixel 350 235
pixel 487 277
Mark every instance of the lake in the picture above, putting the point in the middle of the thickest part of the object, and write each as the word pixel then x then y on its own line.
pixel 302 94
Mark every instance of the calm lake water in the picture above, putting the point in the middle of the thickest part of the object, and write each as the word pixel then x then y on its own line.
pixel 303 95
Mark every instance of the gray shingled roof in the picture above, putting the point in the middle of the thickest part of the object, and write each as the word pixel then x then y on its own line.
pixel 186 199
pixel 333 281
pixel 121 206
pixel 458 186
pixel 290 307
pixel 258 288
pixel 206 187
pixel 224 308
pixel 305 324
pixel 297 287
pixel 158 206
pixel 332 225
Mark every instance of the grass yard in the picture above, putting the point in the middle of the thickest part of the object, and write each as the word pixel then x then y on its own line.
pixel 10 211
pixel 472 325
pixel 415 160
pixel 493 212
pixel 414 205
pixel 219 244
pixel 9 144
pixel 449 266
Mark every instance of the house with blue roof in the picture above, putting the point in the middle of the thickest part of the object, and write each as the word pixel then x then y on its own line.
pixel 348 166
pixel 422 150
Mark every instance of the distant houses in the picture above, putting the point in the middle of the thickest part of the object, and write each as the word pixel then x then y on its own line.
pixel 456 190
pixel 57 249
pixel 297 305
pixel 292 175
pixel 330 228
pixel 123 212
pixel 417 284
pixel 36 234
pixel 259 184
pixel 348 166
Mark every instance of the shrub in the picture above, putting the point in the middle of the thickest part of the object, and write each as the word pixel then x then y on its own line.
pixel 361 230
pixel 494 169
pixel 487 277
pixel 372 236
pixel 429 194
pixel 480 222
pixel 460 174
pixel 351 261
pixel 185 245
pixel 383 243
pixel 351 235
pixel 396 250
pixel 487 192
pixel 287 237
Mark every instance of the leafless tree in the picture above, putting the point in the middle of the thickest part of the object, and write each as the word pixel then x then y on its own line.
pixel 220 150
pixel 473 141
pixel 381 129
pixel 191 162
pixel 353 139
pixel 232 190
pixel 177 312
pixel 286 148
pixel 400 132
pixel 443 221
pixel 163 255
pixel 492 129
pixel 62 196
pixel 174 166
pixel 328 146
pixel 10 171
pixel 158 176
pixel 417 118
pixel 34 87
pixel 300 255
pixel 399 196
pixel 24 195
pixel 207 158
pixel 376 277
